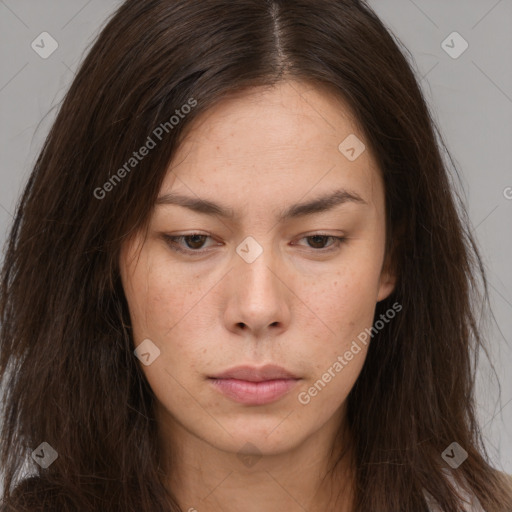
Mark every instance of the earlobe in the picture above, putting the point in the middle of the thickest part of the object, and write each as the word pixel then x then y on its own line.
pixel 386 285
pixel 387 280
pixel 389 271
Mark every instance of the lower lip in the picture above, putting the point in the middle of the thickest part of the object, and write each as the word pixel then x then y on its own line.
pixel 254 393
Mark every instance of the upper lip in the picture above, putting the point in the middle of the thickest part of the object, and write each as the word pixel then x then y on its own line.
pixel 254 374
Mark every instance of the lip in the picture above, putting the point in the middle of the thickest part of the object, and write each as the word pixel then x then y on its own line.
pixel 254 374
pixel 254 386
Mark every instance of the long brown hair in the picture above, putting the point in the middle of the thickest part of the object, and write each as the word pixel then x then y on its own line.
pixel 68 370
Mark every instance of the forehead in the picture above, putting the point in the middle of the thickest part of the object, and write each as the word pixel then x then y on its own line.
pixel 282 141
pixel 280 117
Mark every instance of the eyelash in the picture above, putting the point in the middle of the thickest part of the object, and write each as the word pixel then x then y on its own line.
pixel 172 240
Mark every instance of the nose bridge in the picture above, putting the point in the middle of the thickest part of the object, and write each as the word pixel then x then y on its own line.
pixel 258 263
pixel 259 293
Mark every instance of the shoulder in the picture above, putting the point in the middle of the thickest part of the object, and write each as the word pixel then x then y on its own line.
pixel 25 496
pixel 35 494
pixel 469 501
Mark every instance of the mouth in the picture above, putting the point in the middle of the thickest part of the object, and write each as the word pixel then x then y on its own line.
pixel 255 386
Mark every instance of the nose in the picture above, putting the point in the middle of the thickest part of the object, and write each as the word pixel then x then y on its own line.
pixel 259 299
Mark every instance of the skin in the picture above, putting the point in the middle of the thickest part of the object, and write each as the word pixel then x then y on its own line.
pixel 297 305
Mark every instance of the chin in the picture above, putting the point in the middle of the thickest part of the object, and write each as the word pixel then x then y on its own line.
pixel 264 438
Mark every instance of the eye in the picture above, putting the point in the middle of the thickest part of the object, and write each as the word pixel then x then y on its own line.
pixel 195 241
pixel 320 239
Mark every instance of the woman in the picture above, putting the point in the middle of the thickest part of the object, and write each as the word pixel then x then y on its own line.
pixel 238 278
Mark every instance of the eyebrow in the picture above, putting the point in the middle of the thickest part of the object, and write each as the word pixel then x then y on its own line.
pixel 320 204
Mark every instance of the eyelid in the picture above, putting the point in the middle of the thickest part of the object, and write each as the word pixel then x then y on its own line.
pixel 171 242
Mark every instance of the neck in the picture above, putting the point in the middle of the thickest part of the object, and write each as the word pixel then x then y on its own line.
pixel 207 479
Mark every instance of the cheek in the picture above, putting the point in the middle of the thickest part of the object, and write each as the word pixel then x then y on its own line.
pixel 346 304
pixel 348 307
pixel 168 311
pixel 323 394
pixel 159 297
pixel 347 301
pixel 347 316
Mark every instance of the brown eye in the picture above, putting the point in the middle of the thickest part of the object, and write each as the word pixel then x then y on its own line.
pixel 319 240
pixel 196 241
pixel 193 243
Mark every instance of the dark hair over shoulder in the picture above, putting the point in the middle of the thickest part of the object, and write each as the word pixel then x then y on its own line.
pixel 34 494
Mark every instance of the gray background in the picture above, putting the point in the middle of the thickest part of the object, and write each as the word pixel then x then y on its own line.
pixel 470 98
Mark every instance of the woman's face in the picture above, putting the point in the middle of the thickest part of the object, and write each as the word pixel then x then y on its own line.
pixel 267 283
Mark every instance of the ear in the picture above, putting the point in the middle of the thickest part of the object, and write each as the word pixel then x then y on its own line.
pixel 388 275
pixel 387 281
